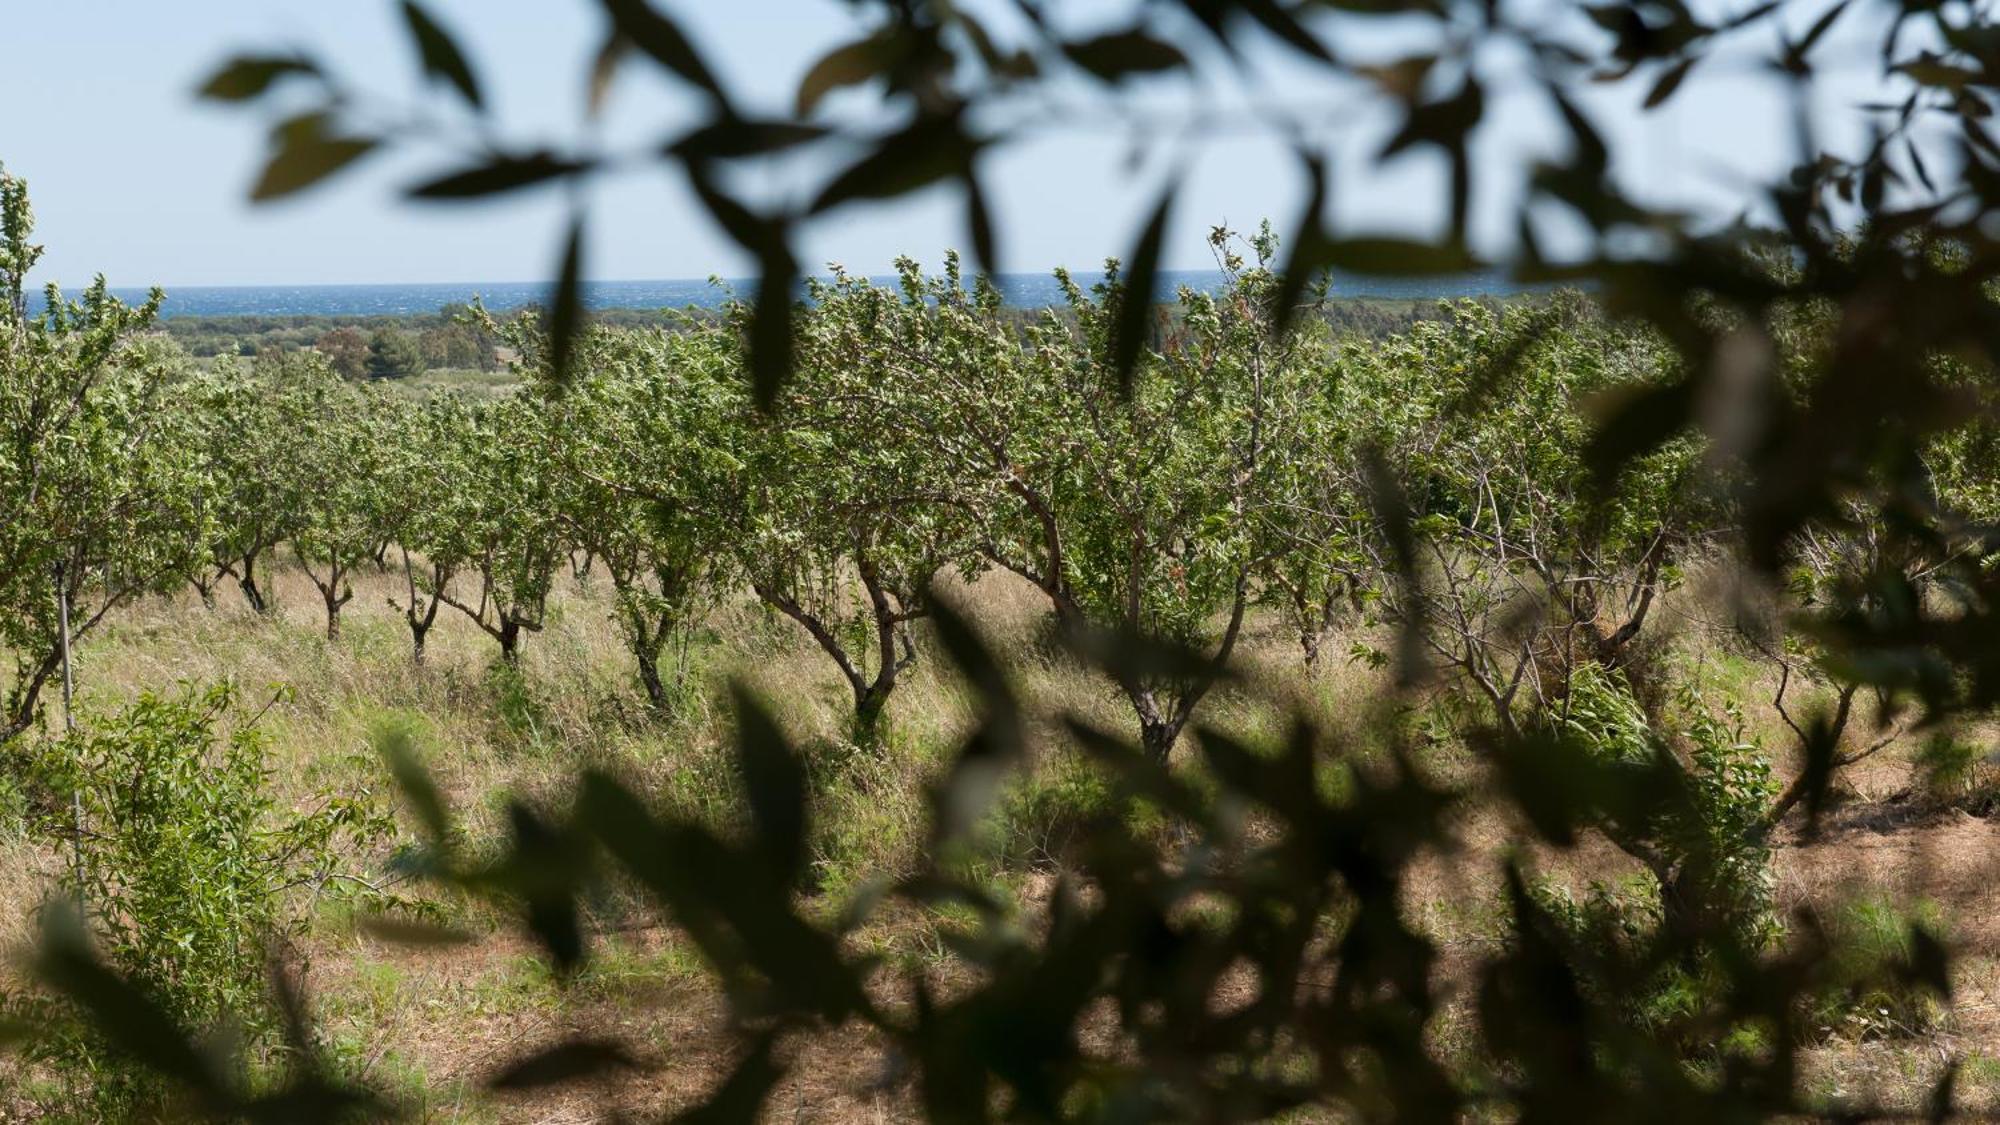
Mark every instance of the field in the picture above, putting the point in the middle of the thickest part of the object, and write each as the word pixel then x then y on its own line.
pixel 1236 709
pixel 1173 685
pixel 432 1024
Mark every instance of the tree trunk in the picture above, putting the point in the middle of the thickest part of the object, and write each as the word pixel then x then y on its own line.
pixel 246 581
pixel 509 636
pixel 869 704
pixel 649 676
pixel 331 593
pixel 1157 737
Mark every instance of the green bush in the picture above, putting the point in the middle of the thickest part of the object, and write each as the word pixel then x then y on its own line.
pixel 1869 993
pixel 1955 771
pixel 1042 819
pixel 1709 848
pixel 193 879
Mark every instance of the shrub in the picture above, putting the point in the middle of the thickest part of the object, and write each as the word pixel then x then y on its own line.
pixel 1955 771
pixel 393 355
pixel 1870 993
pixel 1709 850
pixel 1042 819
pixel 186 869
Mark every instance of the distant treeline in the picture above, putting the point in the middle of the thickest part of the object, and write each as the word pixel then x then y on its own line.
pixel 401 345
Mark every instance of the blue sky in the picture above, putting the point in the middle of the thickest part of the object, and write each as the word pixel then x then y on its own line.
pixel 134 178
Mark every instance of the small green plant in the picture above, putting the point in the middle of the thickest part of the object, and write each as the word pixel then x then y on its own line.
pixel 1042 819
pixel 1869 994
pixel 1953 770
pixel 1709 850
pixel 192 878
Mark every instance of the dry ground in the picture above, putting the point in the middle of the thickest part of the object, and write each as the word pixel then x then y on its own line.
pixel 432 1024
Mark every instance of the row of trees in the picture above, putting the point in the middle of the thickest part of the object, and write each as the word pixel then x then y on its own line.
pixel 1438 480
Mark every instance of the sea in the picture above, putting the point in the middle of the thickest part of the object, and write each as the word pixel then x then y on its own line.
pixel 1022 290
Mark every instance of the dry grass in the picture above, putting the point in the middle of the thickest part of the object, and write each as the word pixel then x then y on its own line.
pixel 433 1023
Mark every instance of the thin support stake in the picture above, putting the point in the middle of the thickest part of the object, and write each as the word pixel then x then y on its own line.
pixel 69 728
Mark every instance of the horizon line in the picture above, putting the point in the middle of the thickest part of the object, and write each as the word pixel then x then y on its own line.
pixel 711 279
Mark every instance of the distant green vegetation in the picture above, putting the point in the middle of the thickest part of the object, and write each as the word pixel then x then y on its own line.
pixel 401 346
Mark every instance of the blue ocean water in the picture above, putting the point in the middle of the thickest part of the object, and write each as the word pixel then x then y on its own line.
pixel 1022 290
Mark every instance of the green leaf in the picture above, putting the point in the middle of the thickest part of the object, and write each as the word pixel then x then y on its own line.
pixel 406 931
pixel 603 69
pixel 440 54
pixel 774 782
pixel 503 172
pixel 1940 1107
pixel 1280 22
pixel 1135 309
pixel 1124 53
pixel 398 751
pixel 996 746
pixel 771 331
pixel 848 65
pixel 1636 422
pixel 249 76
pixel 1590 156
pixel 741 1098
pixel 931 149
pixel 730 139
pixel 307 151
pixel 979 222
pixel 566 305
pixel 543 869
pixel 1444 123
pixel 1669 82
pixel 1794 59
pixel 1309 249
pixel 661 38
pixel 568 1061
pixel 120 1010
pixel 1397 257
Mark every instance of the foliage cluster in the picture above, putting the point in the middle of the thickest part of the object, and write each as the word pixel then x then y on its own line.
pixel 195 883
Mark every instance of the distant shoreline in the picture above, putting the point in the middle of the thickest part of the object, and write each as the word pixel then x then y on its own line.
pixel 1019 290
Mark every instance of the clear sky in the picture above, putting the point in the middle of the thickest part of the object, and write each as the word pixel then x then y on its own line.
pixel 134 178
